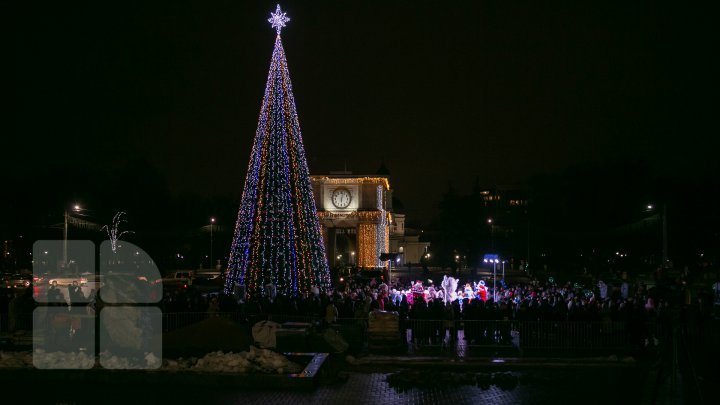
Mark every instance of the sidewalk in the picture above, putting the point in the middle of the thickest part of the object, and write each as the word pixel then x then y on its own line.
pixel 376 362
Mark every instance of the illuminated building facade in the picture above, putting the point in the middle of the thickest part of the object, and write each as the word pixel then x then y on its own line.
pixel 355 217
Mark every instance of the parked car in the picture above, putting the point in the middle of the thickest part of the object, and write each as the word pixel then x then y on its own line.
pixel 64 280
pixel 18 281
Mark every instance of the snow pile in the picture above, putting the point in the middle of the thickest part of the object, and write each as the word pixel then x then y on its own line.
pixel 15 359
pixel 71 360
pixel 74 360
pixel 253 361
pixel 108 360
pixel 219 361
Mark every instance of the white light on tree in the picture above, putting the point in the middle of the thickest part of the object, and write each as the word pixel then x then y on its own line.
pixel 114 233
pixel 278 19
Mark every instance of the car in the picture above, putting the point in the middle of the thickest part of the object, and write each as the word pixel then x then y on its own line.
pixel 64 280
pixel 92 280
pixel 18 281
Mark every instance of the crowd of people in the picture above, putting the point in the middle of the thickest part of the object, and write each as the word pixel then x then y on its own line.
pixel 441 304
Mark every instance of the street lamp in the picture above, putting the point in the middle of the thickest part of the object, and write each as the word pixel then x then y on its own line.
pixel 663 218
pixel 352 258
pixel 75 208
pixel 494 260
pixel 492 233
pixel 212 221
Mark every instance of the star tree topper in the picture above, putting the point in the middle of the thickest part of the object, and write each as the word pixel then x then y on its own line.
pixel 278 19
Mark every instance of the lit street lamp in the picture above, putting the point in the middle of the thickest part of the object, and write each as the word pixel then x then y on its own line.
pixel 492 258
pixel 212 221
pixel 663 218
pixel 75 208
pixel 492 233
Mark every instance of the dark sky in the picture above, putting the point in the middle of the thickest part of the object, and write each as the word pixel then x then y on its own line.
pixel 442 91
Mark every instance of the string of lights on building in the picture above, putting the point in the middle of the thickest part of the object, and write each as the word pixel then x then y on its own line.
pixel 372 180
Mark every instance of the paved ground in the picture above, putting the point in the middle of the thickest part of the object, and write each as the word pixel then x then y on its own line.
pixel 551 386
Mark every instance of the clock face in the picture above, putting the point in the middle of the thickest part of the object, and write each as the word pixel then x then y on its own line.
pixel 341 197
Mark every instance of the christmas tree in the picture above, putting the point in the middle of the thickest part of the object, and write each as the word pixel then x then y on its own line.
pixel 277 236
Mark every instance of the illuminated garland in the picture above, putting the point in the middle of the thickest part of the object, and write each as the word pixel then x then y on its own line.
pixel 354 180
pixel 277 237
pixel 368 256
pixel 382 240
pixel 374 216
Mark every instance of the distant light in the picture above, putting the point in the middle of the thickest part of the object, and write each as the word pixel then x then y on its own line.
pixel 342 279
pixel 485 260
pixel 46 252
pixel 212 219
pixel 498 361
pixel 457 257
pixel 489 220
pixel 76 207
pixel 397 260
pixel 649 206
pixel 352 253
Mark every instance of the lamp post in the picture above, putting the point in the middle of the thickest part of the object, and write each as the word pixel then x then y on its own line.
pixel 663 219
pixel 75 208
pixel 494 260
pixel 492 233
pixel 212 221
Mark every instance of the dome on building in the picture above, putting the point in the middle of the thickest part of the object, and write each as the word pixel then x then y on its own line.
pixel 383 171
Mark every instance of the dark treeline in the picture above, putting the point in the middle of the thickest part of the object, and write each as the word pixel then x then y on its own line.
pixel 582 217
pixel 573 219
pixel 162 222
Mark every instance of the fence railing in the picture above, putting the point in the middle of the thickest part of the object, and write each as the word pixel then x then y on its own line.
pixel 524 335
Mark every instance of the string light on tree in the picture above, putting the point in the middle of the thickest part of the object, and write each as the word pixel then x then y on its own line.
pixel 277 237
pixel 114 233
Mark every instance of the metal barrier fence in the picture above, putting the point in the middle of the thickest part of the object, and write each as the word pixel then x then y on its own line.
pixel 530 335
pixel 11 324
pixel 177 320
pixel 525 336
pixel 555 336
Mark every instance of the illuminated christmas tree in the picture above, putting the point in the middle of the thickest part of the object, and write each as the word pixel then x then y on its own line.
pixel 277 235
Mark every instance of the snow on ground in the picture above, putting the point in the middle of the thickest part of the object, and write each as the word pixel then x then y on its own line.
pixel 252 361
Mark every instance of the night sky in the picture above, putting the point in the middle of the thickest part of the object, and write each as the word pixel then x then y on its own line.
pixel 499 91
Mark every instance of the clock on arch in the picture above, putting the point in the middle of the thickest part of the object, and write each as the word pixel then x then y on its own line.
pixel 341 197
